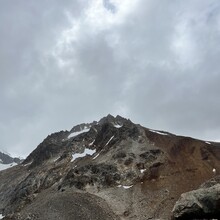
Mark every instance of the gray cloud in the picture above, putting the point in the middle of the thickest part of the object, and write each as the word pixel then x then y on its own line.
pixel 62 63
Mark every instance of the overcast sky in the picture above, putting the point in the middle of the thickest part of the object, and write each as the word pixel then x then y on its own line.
pixel 156 62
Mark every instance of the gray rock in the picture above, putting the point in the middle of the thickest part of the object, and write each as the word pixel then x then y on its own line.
pixel 201 203
pixel 7 159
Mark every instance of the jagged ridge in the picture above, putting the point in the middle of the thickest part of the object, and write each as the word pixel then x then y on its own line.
pixel 110 159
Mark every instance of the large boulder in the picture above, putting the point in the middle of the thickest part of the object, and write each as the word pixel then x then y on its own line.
pixel 203 203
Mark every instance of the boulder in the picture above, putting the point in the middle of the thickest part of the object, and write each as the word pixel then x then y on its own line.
pixel 203 203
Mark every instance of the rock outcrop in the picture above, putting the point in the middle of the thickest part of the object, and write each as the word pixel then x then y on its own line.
pixel 203 203
pixel 7 159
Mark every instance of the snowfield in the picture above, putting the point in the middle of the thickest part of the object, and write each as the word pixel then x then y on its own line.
pixel 79 155
pixel 6 166
pixel 74 134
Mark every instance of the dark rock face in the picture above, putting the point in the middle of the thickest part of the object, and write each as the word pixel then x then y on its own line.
pixel 203 203
pixel 118 120
pixel 101 175
pixel 51 146
pixel 6 159
pixel 137 172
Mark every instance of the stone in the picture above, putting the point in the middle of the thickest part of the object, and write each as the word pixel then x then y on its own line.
pixel 202 203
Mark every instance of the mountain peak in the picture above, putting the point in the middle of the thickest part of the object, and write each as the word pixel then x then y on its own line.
pixel 118 120
pixel 99 165
pixel 6 158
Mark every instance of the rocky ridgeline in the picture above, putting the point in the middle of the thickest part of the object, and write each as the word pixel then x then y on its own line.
pixel 109 160
pixel 7 159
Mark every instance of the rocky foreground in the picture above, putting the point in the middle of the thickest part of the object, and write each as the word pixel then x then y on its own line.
pixel 114 169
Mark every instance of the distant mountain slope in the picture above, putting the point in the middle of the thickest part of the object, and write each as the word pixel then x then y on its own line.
pixel 6 161
pixel 114 167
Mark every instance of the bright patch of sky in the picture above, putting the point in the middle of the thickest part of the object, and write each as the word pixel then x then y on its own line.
pixel 155 62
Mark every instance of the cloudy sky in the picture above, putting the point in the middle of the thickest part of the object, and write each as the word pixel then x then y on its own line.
pixel 156 62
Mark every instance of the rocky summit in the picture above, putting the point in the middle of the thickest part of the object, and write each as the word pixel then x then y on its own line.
pixel 114 169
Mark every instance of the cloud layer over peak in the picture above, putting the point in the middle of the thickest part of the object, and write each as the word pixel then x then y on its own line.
pixel 62 63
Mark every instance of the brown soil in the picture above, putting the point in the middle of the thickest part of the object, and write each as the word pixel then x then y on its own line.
pixel 68 205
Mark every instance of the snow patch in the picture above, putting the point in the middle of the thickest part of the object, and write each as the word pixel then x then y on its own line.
pixel 214 170
pixel 74 134
pixel 95 156
pixel 158 132
pixel 125 187
pixel 1 216
pixel 208 142
pixel 118 126
pixel 142 170
pixel 27 164
pixel 90 144
pixel 86 152
pixel 56 159
pixel 109 140
pixel 94 129
pixel 6 166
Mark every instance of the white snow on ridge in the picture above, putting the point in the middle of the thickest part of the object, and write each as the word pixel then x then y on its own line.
pixel 74 134
pixel 117 126
pixel 6 166
pixel 1 216
pixel 208 142
pixel 5 152
pixel 86 152
pixel 158 132
pixel 109 140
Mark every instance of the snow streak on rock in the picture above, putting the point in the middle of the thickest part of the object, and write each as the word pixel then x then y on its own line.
pixel 117 126
pixel 109 140
pixel 125 187
pixel 79 155
pixel 158 132
pixel 74 134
